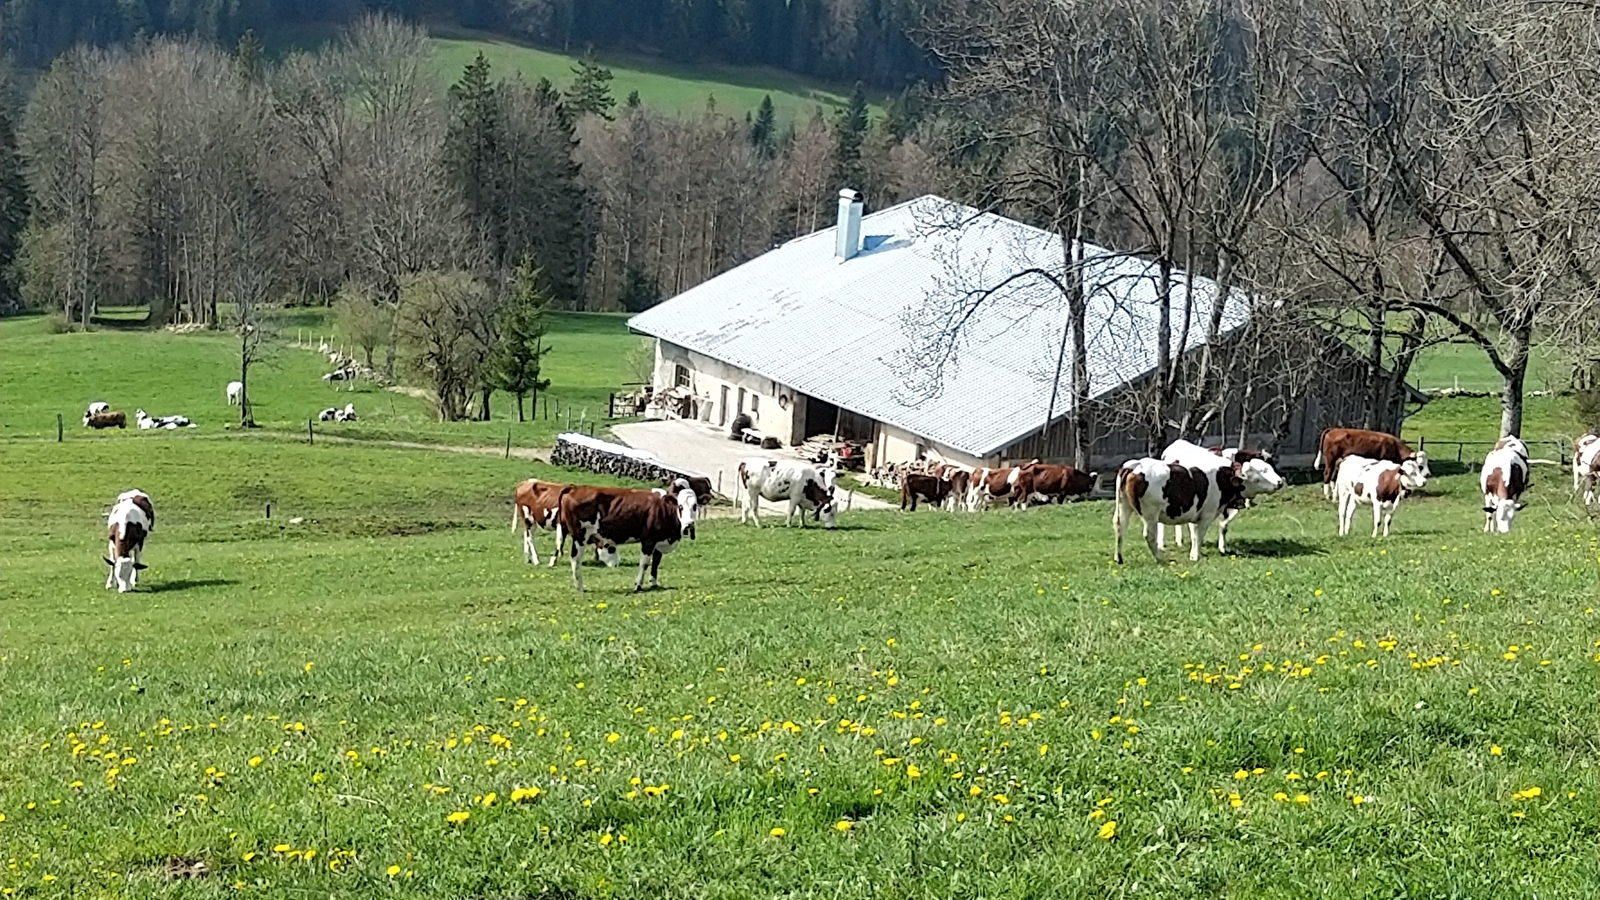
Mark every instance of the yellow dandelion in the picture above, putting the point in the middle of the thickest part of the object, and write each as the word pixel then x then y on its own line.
pixel 913 772
pixel 256 761
pixel 605 839
pixel 458 817
pixel 777 832
pixel 392 871
pixel 1108 830
pixel 1494 750
pixel 843 825
pixel 613 737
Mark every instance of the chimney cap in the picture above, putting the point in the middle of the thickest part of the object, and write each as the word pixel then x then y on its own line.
pixel 848 194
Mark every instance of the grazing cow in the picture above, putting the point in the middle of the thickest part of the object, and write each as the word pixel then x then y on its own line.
pixel 131 520
pixel 101 420
pixel 1381 482
pixel 348 373
pixel 989 485
pixel 701 486
pixel 1586 466
pixel 1058 484
pixel 609 517
pixel 96 408
pixel 960 480
pixel 1338 443
pixel 1264 481
pixel 1503 479
pixel 536 506
pixel 791 480
pixel 235 393
pixel 1166 493
pixel 927 488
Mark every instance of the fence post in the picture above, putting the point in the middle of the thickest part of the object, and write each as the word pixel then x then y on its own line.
pixel 1459 446
pixel 269 510
pixel 58 428
pixel 311 435
pixel 508 442
pixel 611 406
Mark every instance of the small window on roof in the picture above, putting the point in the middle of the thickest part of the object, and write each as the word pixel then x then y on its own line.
pixel 680 376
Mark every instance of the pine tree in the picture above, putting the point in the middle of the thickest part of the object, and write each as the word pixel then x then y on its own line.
pixel 591 88
pixel 851 132
pixel 633 99
pixel 764 131
pixel 249 54
pixel 472 151
pixel 521 349
pixel 13 205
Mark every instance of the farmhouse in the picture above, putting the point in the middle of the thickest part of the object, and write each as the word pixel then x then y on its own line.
pixel 931 329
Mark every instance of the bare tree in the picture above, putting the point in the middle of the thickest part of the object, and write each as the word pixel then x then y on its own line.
pixel 442 321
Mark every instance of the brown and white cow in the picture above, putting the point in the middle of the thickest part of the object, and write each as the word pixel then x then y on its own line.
pixel 1586 466
pixel 105 419
pixel 1163 493
pixel 1263 479
pixel 610 517
pixel 536 507
pixel 1005 483
pixel 1047 483
pixel 1503 479
pixel 131 520
pixel 1381 482
pixel 1338 443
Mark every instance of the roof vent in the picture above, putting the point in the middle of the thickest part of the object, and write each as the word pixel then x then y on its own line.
pixel 847 238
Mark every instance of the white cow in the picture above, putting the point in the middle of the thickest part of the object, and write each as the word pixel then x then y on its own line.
pixel 348 414
pixel 131 520
pixel 1160 492
pixel 168 422
pixel 235 393
pixel 1377 481
pixel 1503 479
pixel 1265 480
pixel 96 408
pixel 1586 466
pixel 791 480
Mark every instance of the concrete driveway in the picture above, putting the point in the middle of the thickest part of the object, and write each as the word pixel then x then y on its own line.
pixel 697 448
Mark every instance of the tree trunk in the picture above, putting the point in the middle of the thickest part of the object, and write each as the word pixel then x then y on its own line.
pixel 1512 381
pixel 519 407
pixel 485 410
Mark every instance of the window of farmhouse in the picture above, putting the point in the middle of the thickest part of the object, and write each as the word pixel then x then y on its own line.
pixel 680 376
pixel 755 407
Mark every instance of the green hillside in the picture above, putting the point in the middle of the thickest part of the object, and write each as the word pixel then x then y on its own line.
pixel 661 85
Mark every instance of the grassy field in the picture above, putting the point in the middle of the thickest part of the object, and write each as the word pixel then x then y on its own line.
pixel 662 85
pixel 42 374
pixel 370 694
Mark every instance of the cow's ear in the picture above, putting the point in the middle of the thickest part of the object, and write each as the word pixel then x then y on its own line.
pixel 140 566
pixel 107 561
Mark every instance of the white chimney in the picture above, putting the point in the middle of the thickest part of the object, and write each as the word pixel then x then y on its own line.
pixel 847 239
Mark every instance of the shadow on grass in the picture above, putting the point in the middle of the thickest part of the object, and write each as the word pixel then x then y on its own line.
pixel 184 584
pixel 1276 547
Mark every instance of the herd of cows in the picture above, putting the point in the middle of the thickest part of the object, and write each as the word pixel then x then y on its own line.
pixel 1188 487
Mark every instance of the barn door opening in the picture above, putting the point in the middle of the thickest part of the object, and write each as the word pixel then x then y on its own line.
pixel 722 408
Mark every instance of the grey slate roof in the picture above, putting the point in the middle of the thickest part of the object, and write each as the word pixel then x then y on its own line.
pixel 865 333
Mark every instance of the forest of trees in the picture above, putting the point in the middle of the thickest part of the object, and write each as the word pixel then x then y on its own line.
pixel 837 40
pixel 1396 172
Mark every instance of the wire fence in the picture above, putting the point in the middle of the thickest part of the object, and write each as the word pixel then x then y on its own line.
pixel 1563 450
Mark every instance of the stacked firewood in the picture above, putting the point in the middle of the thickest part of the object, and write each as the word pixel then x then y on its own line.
pixel 584 452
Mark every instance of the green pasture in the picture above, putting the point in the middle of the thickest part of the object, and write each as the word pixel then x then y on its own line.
pixel 42 374
pixel 382 699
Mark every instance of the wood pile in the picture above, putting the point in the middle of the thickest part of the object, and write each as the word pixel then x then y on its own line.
pixel 584 452
pixel 830 449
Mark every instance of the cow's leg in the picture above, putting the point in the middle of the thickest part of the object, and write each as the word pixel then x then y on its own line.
pixel 111 554
pixel 752 507
pixel 577 564
pixel 1150 538
pixel 645 552
pixel 1161 534
pixel 1197 536
pixel 1119 525
pixel 133 568
pixel 655 569
pixel 1377 517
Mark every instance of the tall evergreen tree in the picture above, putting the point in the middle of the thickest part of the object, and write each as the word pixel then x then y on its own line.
pixel 851 132
pixel 764 130
pixel 519 354
pixel 591 88
pixel 13 205
pixel 250 56
pixel 472 151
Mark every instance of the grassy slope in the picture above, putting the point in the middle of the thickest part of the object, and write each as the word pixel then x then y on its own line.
pixel 784 680
pixel 661 85
pixel 42 374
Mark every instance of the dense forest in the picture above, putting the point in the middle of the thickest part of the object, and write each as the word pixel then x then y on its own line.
pixel 1397 173
pixel 838 40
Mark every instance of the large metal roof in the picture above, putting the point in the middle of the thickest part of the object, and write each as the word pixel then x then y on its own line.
pixel 947 324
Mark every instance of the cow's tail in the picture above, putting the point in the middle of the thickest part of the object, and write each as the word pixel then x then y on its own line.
pixel 744 476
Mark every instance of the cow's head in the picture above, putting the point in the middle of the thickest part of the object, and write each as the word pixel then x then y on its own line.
pixel 1414 473
pixel 608 553
pixel 825 508
pixel 1420 458
pixel 1503 512
pixel 1259 477
pixel 688 508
